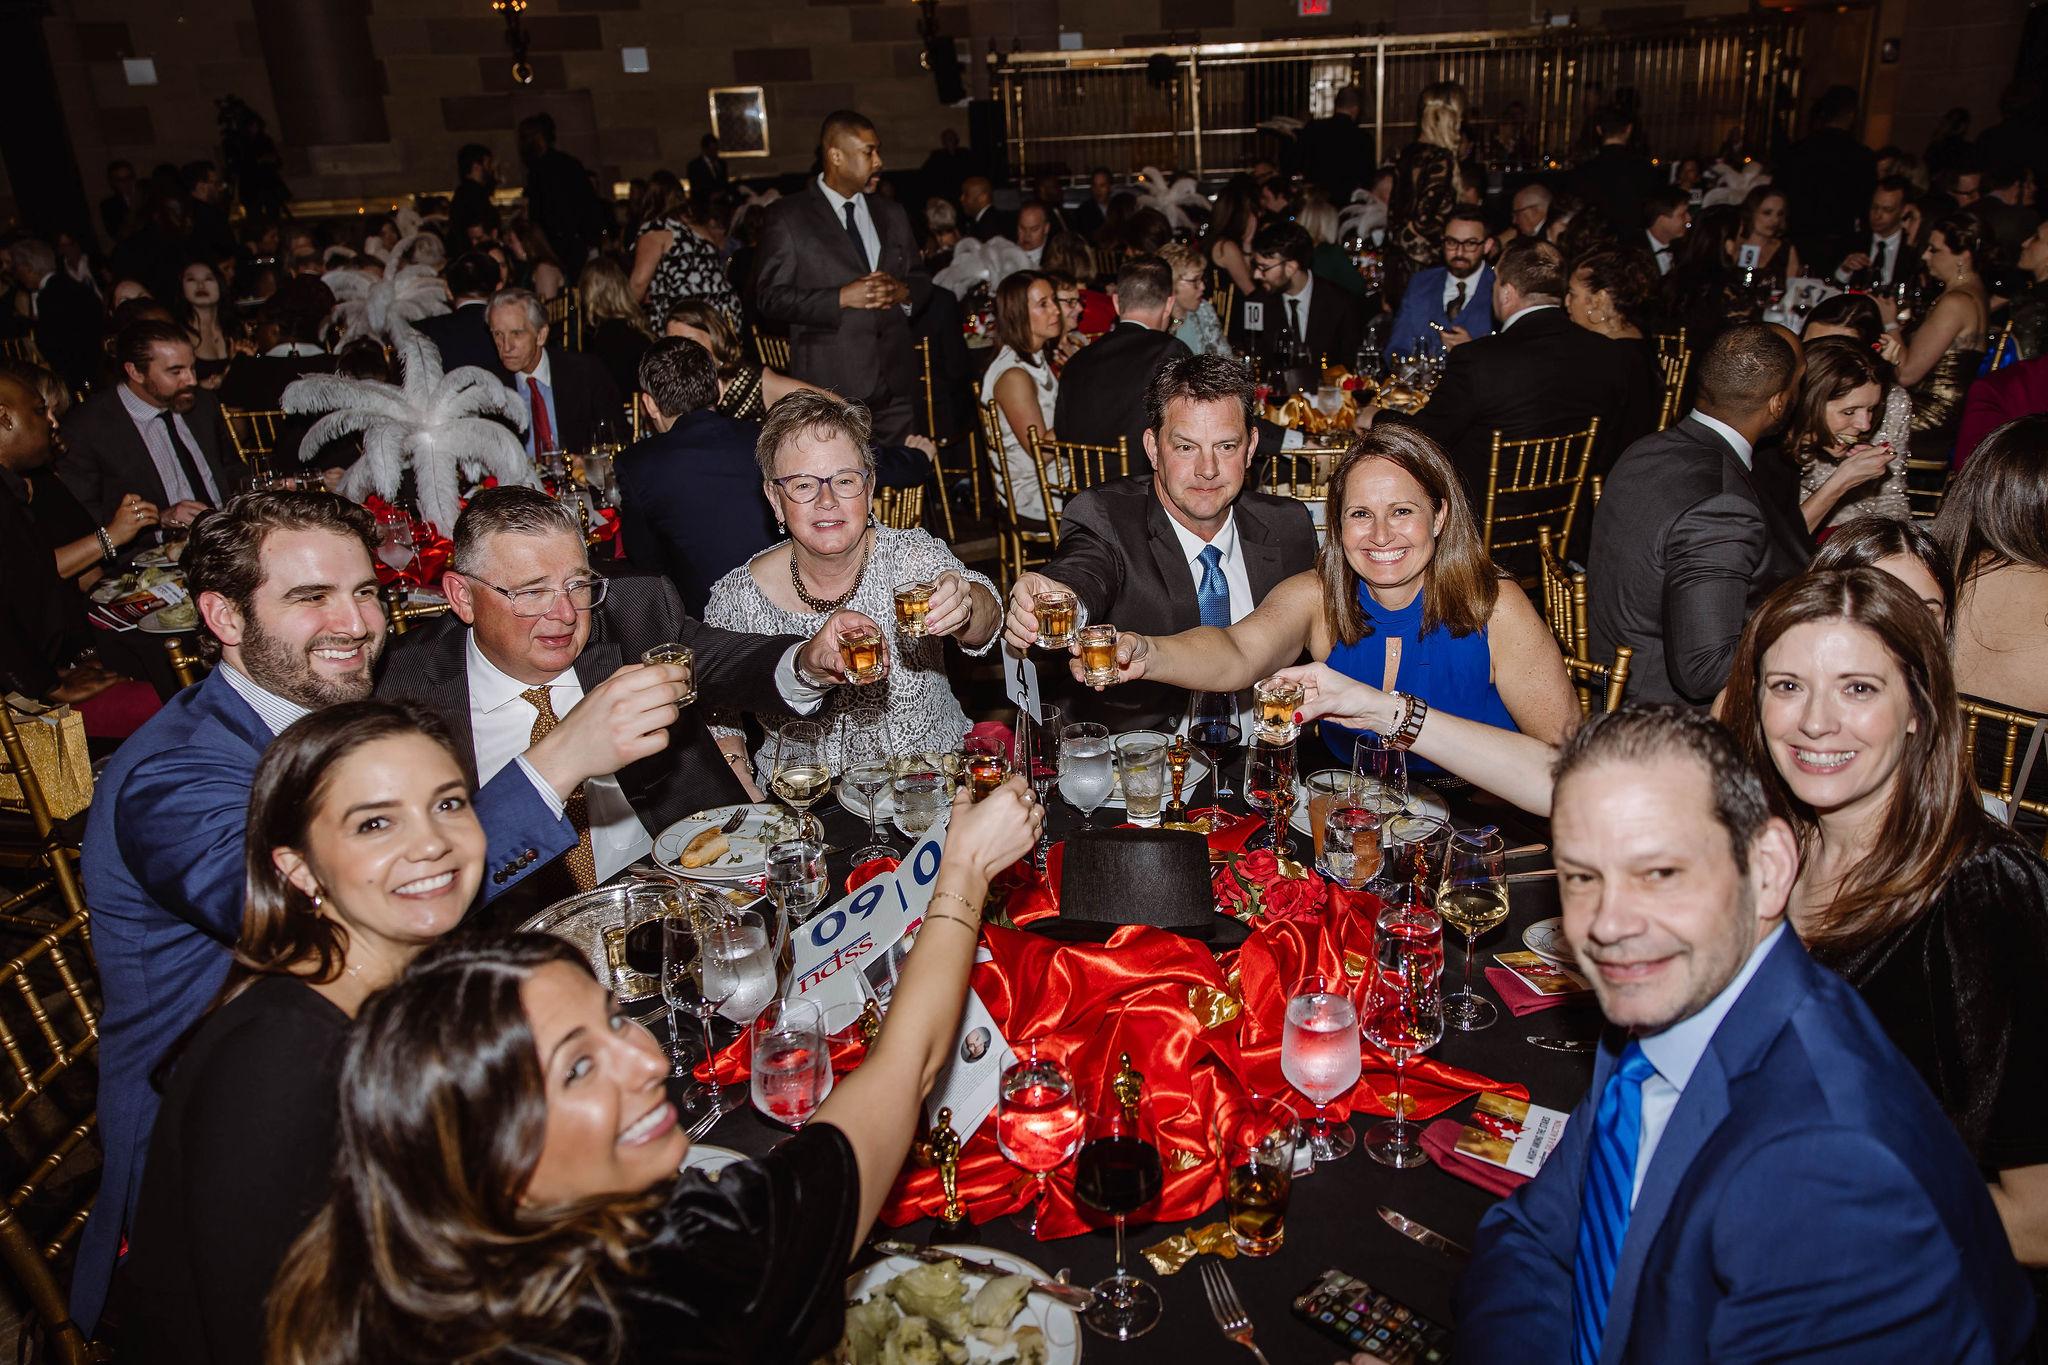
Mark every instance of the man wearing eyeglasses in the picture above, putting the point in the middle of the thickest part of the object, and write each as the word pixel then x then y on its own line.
pixel 540 647
pixel 1449 304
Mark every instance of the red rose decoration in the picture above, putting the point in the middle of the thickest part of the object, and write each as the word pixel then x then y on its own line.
pixel 1351 384
pixel 1253 886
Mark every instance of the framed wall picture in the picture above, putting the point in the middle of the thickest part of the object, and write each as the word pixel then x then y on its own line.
pixel 739 120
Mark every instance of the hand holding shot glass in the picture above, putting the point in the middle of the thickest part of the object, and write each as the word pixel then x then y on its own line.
pixel 676 655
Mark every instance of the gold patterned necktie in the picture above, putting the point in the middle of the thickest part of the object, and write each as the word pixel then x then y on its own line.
pixel 582 862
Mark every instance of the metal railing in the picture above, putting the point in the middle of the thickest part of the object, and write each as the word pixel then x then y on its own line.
pixel 1701 83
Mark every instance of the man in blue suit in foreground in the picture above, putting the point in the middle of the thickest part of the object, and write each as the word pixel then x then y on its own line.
pixel 287 597
pixel 1457 295
pixel 1756 1174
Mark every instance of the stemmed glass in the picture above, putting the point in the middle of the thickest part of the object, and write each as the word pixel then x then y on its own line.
pixel 1038 1121
pixel 796 883
pixel 792 1066
pixel 396 549
pixel 1404 1015
pixel 1474 897
pixel 1118 1172
pixel 1037 756
pixel 1087 767
pixel 1319 1056
pixel 1213 728
pixel 798 773
pixel 864 766
pixel 1384 772
pixel 1269 789
pixel 692 940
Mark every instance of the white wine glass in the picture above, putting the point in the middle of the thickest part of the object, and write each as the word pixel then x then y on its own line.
pixel 798 773
pixel 1473 899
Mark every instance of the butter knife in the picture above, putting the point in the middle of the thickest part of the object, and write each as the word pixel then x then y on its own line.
pixel 1058 1293
pixel 1413 1230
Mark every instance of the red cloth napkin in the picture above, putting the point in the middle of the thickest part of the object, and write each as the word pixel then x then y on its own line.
pixel 1440 1140
pixel 1520 1000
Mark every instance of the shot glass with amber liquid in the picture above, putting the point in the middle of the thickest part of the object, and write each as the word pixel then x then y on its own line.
pixel 986 770
pixel 680 656
pixel 860 651
pixel 1278 700
pixel 1057 610
pixel 1098 655
pixel 913 602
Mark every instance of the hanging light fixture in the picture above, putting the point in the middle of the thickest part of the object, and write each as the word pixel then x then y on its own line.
pixel 515 38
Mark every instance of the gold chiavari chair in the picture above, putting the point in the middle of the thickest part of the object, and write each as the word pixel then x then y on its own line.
pixel 1998 737
pixel 565 320
pixel 901 508
pixel 635 419
pixel 49 1024
pixel 186 667
pixel 1225 297
pixel 1926 485
pixel 2002 351
pixel 1558 582
pixel 1019 544
pixel 253 433
pixel 1534 484
pixel 1067 467
pixel 402 615
pixel 772 351
pixel 22 348
pixel 1300 474
pixel 1674 359
pixel 1610 679
pixel 944 473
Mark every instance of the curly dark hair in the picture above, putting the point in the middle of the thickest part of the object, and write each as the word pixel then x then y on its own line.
pixel 1627 277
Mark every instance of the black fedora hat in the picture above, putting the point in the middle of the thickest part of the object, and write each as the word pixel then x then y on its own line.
pixel 1113 877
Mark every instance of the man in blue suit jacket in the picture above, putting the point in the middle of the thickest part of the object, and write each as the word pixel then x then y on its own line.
pixel 693 509
pixel 1756 1174
pixel 287 591
pixel 1433 294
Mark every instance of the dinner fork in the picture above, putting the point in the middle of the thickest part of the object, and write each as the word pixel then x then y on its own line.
pixel 1229 1313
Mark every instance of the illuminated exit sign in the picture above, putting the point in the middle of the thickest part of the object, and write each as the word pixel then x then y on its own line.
pixel 1312 9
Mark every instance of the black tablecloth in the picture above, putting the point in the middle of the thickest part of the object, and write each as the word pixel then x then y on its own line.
pixel 1332 1223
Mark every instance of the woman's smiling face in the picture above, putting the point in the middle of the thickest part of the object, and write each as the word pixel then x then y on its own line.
pixel 1389 531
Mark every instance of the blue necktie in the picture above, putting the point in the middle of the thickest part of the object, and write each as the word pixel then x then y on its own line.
pixel 1213 592
pixel 1604 1202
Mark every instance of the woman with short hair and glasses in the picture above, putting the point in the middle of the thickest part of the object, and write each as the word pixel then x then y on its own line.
pixel 818 473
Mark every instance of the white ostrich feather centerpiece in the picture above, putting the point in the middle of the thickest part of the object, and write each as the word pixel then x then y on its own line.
pixel 373 308
pixel 441 426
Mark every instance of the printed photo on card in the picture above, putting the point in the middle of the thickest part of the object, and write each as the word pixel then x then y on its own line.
pixel 1512 1134
pixel 1542 976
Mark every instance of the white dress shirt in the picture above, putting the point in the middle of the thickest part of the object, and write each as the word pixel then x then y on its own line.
pixel 1734 438
pixel 1520 313
pixel 502 721
pixel 1676 1054
pixel 1892 246
pixel 1234 573
pixel 544 375
pixel 273 710
pixel 1288 303
pixel 1661 252
pixel 149 424
pixel 869 238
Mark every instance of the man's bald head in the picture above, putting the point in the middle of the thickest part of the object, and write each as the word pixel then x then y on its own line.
pixel 975 193
pixel 24 426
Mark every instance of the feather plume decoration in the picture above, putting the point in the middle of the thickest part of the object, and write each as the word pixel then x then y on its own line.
pixel 989 263
pixel 373 308
pixel 446 428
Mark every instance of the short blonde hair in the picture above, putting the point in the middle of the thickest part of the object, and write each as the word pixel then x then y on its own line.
pixel 813 412
pixel 1183 256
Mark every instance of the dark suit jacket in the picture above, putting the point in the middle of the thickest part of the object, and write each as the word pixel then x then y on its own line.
pixel 42 617
pixel 707 175
pixel 165 877
pixel 1859 241
pixel 992 223
pixel 584 396
pixel 1544 376
pixel 463 337
pixel 1335 153
pixel 1686 545
pixel 1334 327
pixel 565 205
pixel 734 670
pixel 1618 180
pixel 1827 176
pixel 105 458
pixel 1088 218
pixel 1102 391
pixel 806 257
pixel 1119 554
pixel 1807 1199
pixel 692 506
pixel 69 321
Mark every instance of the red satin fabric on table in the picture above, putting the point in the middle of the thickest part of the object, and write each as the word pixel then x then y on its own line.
pixel 1202 1028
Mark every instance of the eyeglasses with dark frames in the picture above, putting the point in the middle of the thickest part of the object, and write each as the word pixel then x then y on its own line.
pixel 847 484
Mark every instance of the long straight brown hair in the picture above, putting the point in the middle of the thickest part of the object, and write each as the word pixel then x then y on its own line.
pixel 1934 819
pixel 1460 585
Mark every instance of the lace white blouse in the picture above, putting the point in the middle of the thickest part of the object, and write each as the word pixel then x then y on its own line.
pixel 1016 459
pixel 923 714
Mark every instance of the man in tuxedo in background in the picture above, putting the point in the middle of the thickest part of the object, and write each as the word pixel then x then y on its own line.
pixel 691 493
pixel 1686 544
pixel 1299 313
pixel 471 214
pixel 1756 1172
pixel 1102 392
pixel 568 392
pixel 1617 179
pixel 67 313
pixel 840 267
pixel 1457 295
pixel 979 217
pixel 536 638
pixel 1189 545
pixel 1884 254
pixel 1539 374
pixel 463 334
pixel 1334 152
pixel 155 434
pixel 707 172
pixel 1667 217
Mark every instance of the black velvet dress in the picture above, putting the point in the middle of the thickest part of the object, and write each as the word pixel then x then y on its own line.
pixel 1962 991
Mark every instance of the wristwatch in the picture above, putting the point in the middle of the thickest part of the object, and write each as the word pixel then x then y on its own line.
pixel 1417 710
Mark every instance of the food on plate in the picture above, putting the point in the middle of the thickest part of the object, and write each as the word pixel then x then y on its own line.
pixel 183 616
pixel 707 848
pixel 935 1315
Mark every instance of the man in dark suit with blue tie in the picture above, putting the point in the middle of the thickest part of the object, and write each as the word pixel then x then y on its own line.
pixel 691 493
pixel 1457 296
pixel 1756 1173
pixel 287 596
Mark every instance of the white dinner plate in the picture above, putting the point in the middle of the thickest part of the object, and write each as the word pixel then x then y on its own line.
pixel 704 1157
pixel 154 624
pixel 1061 1326
pixel 1546 939
pixel 748 856
pixel 1423 799
pixel 158 558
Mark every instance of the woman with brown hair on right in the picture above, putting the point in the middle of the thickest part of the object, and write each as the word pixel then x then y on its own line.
pixel 1020 381
pixel 1841 695
pixel 362 848
pixel 1841 402
pixel 745 390
pixel 1994 528
pixel 507 1185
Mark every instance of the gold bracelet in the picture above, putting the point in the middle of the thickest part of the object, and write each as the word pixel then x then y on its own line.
pixel 971 927
pixel 965 904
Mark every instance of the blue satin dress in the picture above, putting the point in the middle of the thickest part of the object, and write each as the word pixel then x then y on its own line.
pixel 1452 673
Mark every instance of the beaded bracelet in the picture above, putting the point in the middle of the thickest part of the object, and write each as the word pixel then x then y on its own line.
pixel 965 904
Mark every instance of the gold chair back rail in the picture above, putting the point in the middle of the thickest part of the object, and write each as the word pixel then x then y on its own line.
pixel 1535 485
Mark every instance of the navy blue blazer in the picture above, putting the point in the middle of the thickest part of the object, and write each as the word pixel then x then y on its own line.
pixel 1807 1201
pixel 165 878
pixel 1424 304
pixel 692 508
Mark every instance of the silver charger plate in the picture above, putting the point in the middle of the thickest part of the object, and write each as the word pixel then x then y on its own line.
pixel 595 922
pixel 1546 939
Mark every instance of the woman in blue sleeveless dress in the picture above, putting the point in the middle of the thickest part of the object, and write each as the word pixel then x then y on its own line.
pixel 1405 601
